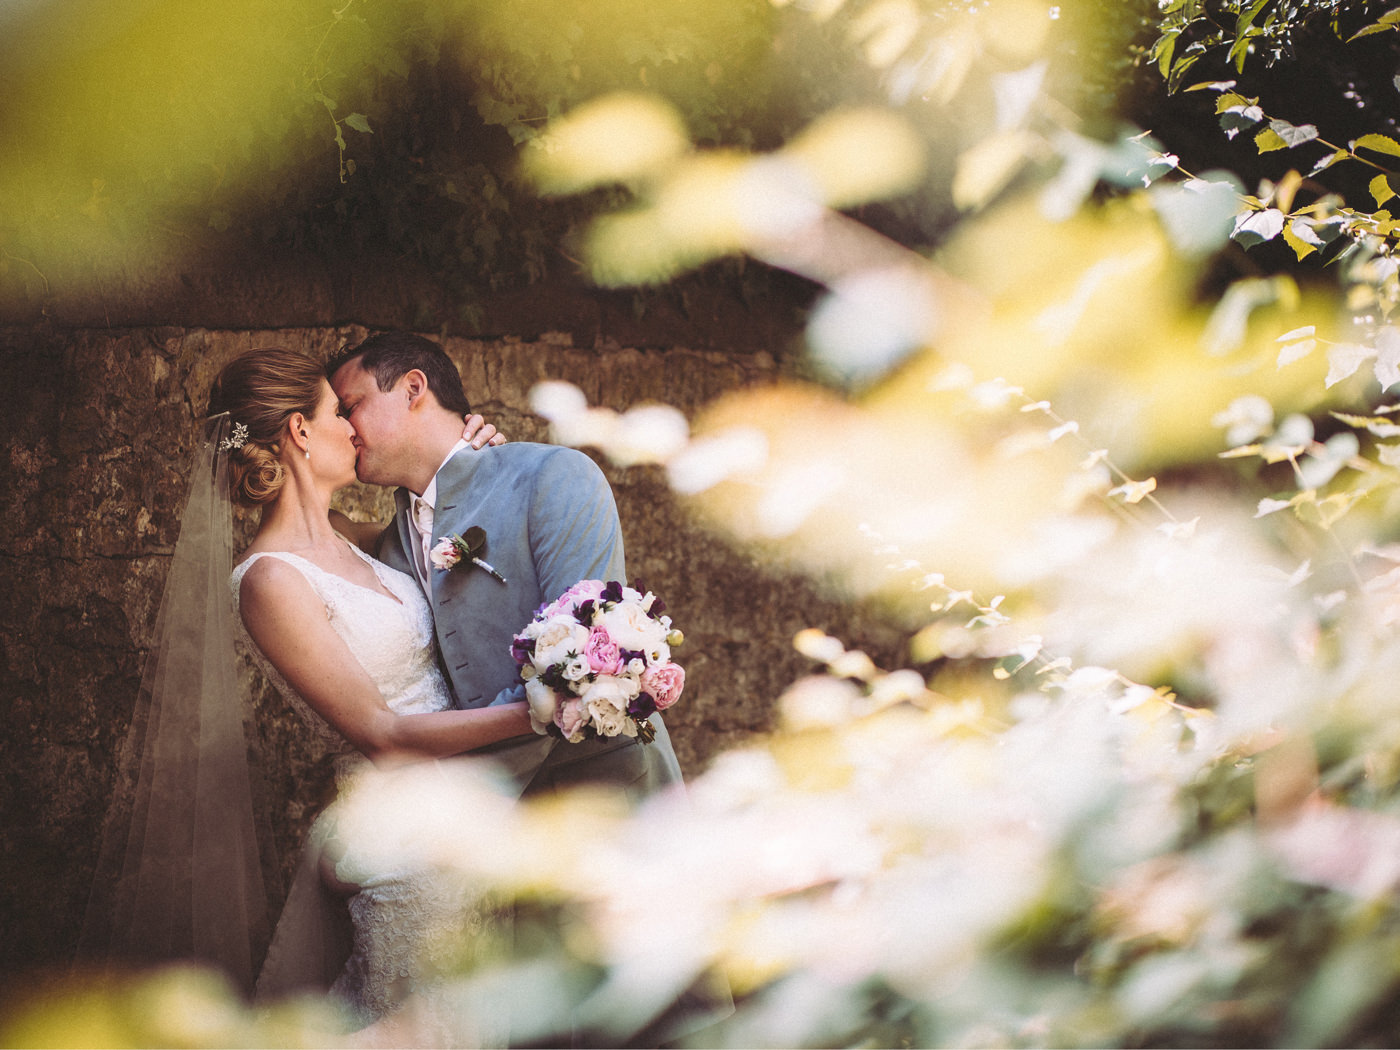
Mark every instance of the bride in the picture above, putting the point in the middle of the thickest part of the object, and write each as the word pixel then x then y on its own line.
pixel 349 642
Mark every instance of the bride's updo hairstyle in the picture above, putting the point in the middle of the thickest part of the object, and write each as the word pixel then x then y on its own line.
pixel 260 390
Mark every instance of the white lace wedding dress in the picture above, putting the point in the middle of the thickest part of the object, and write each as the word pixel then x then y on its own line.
pixel 406 920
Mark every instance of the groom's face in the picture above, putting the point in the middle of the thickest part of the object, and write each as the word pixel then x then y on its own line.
pixel 380 419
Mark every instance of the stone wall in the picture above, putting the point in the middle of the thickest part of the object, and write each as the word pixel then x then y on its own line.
pixel 95 430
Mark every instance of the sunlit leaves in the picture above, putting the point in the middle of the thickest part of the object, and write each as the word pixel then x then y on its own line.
pixel 692 207
pixel 618 138
pixel 1255 227
pixel 1237 113
pixel 1388 22
pixel 988 167
pixel 1247 418
pixel 644 433
pixel 1297 344
pixel 1230 317
pixel 1345 359
pixel 1378 143
pixel 1383 188
pixel 1282 135
pixel 1199 214
pixel 870 321
pixel 885 29
pixel 834 153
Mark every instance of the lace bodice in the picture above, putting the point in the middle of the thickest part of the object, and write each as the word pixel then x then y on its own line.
pixel 392 639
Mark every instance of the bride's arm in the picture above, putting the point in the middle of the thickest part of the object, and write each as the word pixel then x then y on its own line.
pixel 287 620
pixel 366 534
pixel 363 534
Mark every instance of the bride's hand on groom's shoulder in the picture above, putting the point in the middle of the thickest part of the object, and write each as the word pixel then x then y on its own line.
pixel 479 433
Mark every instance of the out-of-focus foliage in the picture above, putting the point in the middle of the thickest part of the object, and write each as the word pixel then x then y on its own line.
pixel 1136 783
pixel 145 131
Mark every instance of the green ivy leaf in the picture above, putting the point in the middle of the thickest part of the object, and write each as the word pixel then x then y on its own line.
pixel 359 122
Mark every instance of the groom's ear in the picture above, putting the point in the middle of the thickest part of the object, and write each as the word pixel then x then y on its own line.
pixel 416 384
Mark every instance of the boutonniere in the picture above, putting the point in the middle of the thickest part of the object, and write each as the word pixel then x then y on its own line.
pixel 452 550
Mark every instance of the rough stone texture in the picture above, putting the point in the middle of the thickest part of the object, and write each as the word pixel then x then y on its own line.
pixel 94 436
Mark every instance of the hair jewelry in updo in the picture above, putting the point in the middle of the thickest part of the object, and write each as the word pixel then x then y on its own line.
pixel 261 390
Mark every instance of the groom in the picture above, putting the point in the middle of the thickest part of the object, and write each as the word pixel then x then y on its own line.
pixel 549 521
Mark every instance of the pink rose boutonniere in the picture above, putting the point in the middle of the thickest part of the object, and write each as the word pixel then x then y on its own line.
pixel 451 550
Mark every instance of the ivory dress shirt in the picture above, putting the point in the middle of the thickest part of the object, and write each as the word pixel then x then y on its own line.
pixel 422 518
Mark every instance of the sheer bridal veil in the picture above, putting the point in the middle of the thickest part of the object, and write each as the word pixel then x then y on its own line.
pixel 180 872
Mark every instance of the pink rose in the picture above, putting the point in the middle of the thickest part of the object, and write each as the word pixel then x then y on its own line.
pixel 584 590
pixel 604 657
pixel 663 683
pixel 568 716
pixel 445 555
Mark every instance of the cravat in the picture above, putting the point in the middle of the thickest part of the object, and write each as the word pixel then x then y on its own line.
pixel 423 522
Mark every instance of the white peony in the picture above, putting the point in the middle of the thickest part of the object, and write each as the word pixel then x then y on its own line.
pixel 606 702
pixel 558 639
pixel 543 702
pixel 631 628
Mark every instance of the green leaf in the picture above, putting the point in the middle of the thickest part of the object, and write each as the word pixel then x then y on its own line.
pixel 1389 20
pixel 1179 70
pixel 1383 189
pixel 1237 118
pixel 1370 30
pixel 1332 158
pixel 1233 100
pixel 1247 17
pixel 1240 51
pixel 1293 134
pixel 1257 227
pixel 1269 140
pixel 1162 53
pixel 1301 248
pixel 359 122
pixel 1212 85
pixel 1379 143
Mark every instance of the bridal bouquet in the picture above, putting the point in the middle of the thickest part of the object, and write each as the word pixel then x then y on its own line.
pixel 596 661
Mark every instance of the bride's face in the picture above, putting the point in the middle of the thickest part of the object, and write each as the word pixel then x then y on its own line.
pixel 332 450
